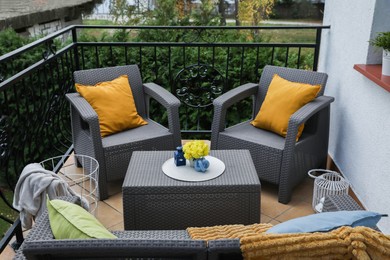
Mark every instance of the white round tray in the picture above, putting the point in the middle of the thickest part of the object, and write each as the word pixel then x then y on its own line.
pixel 188 173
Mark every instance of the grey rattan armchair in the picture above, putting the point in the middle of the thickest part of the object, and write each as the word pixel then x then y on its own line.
pixel 278 160
pixel 113 152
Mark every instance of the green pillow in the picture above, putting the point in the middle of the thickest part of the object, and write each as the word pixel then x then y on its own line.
pixel 70 221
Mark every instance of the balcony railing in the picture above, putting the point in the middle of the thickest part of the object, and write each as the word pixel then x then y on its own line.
pixel 197 64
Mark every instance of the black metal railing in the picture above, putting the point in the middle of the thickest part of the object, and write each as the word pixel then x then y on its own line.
pixel 196 63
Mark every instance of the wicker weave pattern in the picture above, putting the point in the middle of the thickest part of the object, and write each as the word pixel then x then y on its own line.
pixel 152 200
pixel 153 234
pixel 41 229
pixel 164 244
pixel 113 152
pixel 278 160
pixel 118 249
pixel 139 243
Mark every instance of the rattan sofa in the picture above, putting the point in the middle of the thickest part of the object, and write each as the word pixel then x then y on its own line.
pixel 161 244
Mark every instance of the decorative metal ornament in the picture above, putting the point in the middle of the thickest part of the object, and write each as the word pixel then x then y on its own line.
pixel 198 85
pixel 200 35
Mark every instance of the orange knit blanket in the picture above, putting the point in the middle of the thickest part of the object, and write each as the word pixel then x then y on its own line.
pixel 342 243
pixel 227 231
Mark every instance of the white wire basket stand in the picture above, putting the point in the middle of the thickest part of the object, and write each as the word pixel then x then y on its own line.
pixel 326 183
pixel 81 173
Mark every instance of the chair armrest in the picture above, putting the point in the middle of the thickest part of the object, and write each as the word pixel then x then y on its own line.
pixel 304 114
pixel 224 249
pixel 298 118
pixel 170 102
pixel 82 106
pixel 223 102
pixel 87 114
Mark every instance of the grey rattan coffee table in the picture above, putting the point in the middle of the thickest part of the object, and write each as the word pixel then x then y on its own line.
pixel 152 200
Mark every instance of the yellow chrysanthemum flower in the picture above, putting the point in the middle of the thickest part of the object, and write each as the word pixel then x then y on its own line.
pixel 195 149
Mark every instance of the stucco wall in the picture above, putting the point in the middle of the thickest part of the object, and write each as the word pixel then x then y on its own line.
pixel 360 116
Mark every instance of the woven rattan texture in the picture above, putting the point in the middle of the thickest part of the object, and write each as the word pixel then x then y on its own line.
pixel 41 229
pixel 153 234
pixel 266 158
pixel 152 200
pixel 118 249
pixel 281 161
pixel 167 244
pixel 113 152
pixel 149 243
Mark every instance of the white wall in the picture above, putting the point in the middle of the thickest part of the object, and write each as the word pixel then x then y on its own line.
pixel 360 116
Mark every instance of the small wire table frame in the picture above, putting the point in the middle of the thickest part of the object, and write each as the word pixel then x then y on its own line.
pixel 81 173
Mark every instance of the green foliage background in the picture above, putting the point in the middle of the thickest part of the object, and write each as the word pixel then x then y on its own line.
pixel 161 64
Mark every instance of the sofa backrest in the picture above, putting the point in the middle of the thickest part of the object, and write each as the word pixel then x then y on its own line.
pixel 115 249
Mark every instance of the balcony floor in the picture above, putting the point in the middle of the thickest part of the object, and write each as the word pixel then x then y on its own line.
pixel 110 211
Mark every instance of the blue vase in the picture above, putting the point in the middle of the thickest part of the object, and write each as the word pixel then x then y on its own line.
pixel 179 157
pixel 201 165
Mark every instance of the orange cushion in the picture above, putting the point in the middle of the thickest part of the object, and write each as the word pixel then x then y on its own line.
pixel 283 99
pixel 114 104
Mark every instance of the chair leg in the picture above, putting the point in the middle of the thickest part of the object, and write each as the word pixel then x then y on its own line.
pixel 103 190
pixel 78 164
pixel 103 193
pixel 284 195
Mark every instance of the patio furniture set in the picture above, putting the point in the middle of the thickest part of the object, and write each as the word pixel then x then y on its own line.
pixel 278 160
pixel 163 207
pixel 155 201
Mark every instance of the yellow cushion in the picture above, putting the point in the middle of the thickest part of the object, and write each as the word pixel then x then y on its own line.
pixel 114 104
pixel 283 99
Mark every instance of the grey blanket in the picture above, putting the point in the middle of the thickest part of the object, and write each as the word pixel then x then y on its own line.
pixel 31 189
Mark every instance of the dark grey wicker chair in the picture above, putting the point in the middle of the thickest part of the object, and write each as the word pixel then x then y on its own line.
pixel 278 160
pixel 113 152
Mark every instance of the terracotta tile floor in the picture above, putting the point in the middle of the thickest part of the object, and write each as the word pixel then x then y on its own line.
pixel 110 211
